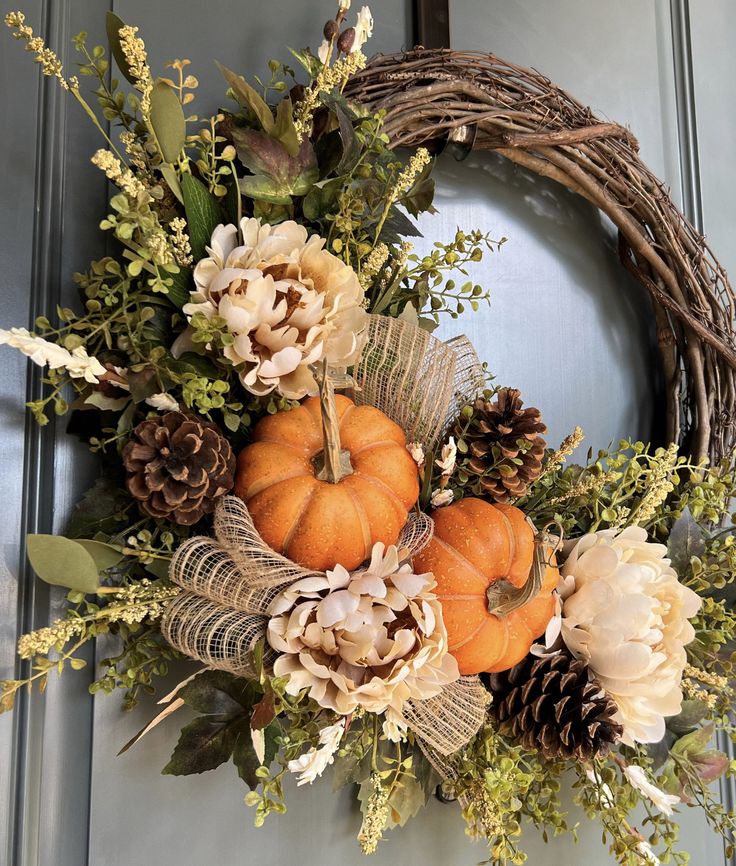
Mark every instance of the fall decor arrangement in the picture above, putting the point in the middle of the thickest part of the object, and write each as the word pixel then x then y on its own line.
pixel 357 550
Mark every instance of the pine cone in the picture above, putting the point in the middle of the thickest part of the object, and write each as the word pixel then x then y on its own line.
pixel 177 466
pixel 504 445
pixel 552 705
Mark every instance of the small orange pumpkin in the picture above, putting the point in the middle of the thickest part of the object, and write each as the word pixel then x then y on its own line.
pixel 475 547
pixel 311 517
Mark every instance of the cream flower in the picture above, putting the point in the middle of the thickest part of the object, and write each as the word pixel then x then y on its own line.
pixel 286 301
pixel 370 639
pixel 163 402
pixel 313 763
pixel 447 457
pixel 416 451
pixel 77 363
pixel 363 28
pixel 628 618
pixel 441 497
pixel 323 51
pixel 638 779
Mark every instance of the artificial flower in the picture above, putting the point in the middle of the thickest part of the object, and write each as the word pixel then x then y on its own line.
pixel 416 451
pixel 638 779
pixel 441 497
pixel 645 849
pixel 287 304
pixel 446 462
pixel 77 363
pixel 313 763
pixel 163 402
pixel 323 51
pixel 628 618
pixel 363 28
pixel 373 639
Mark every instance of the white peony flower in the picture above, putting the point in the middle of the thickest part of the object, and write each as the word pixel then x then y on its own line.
pixel 163 402
pixel 447 457
pixel 287 302
pixel 628 618
pixel 370 639
pixel 313 763
pixel 441 497
pixel 638 779
pixel 416 451
pixel 77 363
pixel 363 28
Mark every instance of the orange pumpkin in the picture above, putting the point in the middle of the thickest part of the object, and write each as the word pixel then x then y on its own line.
pixel 476 546
pixel 319 523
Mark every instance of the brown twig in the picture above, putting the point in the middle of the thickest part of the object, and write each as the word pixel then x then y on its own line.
pixel 523 116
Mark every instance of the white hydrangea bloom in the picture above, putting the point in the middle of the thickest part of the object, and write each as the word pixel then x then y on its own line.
pixel 287 302
pixel 628 618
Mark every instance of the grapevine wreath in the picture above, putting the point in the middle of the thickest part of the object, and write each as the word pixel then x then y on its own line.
pixel 363 546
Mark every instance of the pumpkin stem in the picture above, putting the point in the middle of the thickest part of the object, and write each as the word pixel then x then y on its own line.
pixel 332 463
pixel 504 598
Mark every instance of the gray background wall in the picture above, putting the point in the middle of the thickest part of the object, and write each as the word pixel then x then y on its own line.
pixel 566 325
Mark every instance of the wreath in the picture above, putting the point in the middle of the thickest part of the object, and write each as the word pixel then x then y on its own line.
pixel 362 546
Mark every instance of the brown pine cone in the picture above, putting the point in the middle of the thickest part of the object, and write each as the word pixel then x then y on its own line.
pixel 504 444
pixel 177 466
pixel 551 704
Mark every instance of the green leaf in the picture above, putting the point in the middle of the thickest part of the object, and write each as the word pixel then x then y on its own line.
pixel 203 745
pixel 276 175
pixel 180 289
pixel 96 510
pixel 104 555
pixel 248 97
pixel 686 540
pixel 284 129
pixel 62 562
pixel 689 717
pixel 143 383
pixel 159 568
pixel 245 758
pixel 202 212
pixel 168 121
pixel 113 24
pixel 168 172
pixel 219 693
pixel 693 743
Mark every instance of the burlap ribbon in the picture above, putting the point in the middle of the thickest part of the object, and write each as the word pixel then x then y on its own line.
pixel 230 581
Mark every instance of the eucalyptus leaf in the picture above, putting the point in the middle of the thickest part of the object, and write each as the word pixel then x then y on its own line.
pixel 159 568
pixel 61 561
pixel 104 555
pixel 168 121
pixel 248 97
pixel 113 24
pixel 202 212
pixel 168 172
